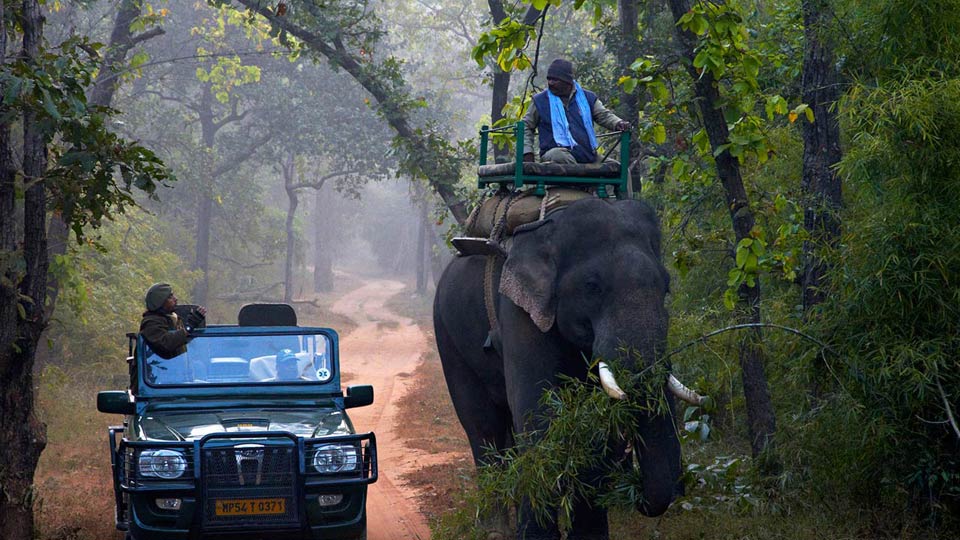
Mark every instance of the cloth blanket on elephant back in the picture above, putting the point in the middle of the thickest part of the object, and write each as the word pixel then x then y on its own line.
pixel 491 224
pixel 497 216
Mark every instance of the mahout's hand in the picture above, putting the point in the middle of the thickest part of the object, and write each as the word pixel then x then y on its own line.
pixel 623 125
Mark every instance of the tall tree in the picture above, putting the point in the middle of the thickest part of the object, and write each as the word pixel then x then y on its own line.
pixel 761 419
pixel 821 186
pixel 22 434
pixel 122 41
pixel 46 95
pixel 501 78
pixel 627 52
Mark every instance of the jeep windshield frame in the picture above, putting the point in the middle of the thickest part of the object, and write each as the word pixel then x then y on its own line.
pixel 245 366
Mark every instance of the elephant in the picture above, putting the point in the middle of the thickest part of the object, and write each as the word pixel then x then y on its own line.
pixel 584 281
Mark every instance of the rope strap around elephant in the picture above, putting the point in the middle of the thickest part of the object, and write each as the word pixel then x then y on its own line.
pixel 501 213
pixel 488 289
pixel 496 236
pixel 543 203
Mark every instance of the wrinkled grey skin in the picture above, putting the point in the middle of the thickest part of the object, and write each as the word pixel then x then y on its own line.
pixel 591 277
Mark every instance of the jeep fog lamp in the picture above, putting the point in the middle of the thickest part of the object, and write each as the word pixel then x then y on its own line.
pixel 168 504
pixel 334 458
pixel 167 464
pixel 329 500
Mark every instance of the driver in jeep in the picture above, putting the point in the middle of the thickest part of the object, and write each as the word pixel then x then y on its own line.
pixel 162 327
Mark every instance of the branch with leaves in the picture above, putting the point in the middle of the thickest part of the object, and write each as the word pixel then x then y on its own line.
pixel 423 152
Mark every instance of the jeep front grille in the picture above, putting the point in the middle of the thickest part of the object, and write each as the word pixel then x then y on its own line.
pixel 245 484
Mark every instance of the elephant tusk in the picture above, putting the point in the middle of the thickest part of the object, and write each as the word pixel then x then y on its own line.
pixel 678 389
pixel 608 383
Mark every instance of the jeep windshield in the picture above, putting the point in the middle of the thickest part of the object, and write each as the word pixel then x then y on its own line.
pixel 232 359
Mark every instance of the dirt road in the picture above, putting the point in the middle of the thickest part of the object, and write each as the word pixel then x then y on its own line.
pixel 384 351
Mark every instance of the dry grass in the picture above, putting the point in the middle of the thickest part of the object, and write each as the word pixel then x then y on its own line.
pixel 73 478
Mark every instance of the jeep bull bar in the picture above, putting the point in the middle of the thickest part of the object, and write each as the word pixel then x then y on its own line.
pixel 254 479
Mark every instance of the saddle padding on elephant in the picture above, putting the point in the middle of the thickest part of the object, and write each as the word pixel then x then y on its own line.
pixel 519 209
pixel 606 169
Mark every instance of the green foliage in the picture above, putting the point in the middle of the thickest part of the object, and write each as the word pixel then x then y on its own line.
pixel 732 48
pixel 106 283
pixel 506 42
pixel 92 170
pixel 227 71
pixel 547 466
pixel 895 310
pixel 722 485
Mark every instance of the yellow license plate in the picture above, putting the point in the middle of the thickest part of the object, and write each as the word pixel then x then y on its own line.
pixel 250 507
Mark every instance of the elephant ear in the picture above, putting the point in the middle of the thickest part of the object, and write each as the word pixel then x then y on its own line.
pixel 530 273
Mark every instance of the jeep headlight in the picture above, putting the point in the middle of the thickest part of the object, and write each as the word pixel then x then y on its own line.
pixel 167 464
pixel 334 458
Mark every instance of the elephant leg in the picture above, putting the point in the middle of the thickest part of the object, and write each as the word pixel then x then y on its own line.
pixel 529 529
pixel 485 420
pixel 589 522
pixel 532 360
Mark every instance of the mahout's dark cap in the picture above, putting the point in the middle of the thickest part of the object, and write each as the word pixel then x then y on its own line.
pixel 561 69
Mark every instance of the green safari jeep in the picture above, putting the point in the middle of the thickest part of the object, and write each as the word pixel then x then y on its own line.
pixel 246 435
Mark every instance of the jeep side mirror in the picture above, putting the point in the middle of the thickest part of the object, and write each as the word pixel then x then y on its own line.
pixel 359 395
pixel 116 402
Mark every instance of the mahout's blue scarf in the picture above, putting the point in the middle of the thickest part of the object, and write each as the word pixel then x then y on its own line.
pixel 558 119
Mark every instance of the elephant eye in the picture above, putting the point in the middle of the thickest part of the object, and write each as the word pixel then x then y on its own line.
pixel 592 286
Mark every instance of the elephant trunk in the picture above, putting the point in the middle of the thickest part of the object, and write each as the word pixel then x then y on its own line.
pixel 658 450
pixel 622 336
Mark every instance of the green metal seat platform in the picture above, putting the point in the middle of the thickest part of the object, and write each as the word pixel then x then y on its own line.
pixel 517 174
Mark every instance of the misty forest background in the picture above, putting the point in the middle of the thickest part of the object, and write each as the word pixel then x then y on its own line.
pixel 802 155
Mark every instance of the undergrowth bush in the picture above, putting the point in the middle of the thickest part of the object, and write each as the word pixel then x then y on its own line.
pixel 894 315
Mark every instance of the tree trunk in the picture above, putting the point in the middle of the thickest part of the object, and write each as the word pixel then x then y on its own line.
pixel 121 41
pixel 322 262
pixel 821 186
pixel 439 255
pixel 422 212
pixel 501 79
pixel 627 53
pixel 208 127
pixel 8 228
pixel 22 435
pixel 289 175
pixel 501 82
pixel 760 415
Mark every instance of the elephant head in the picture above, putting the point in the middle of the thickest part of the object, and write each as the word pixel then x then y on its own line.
pixel 592 273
